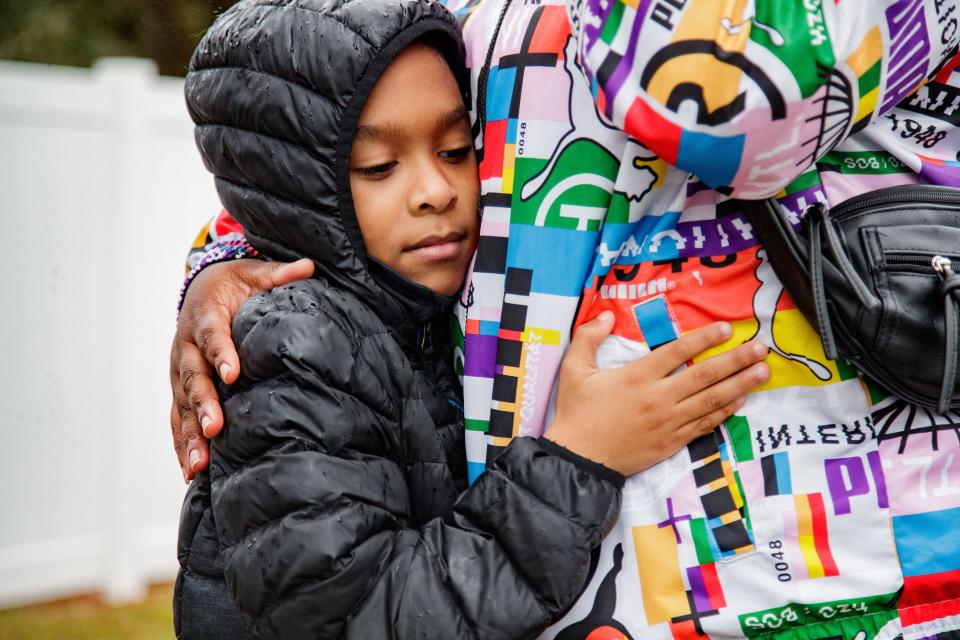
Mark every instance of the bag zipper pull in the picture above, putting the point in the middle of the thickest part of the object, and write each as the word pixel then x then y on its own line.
pixel 942 266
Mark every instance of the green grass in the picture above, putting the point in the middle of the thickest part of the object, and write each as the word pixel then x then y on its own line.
pixel 90 619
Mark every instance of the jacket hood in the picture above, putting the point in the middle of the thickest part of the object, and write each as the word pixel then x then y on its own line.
pixel 276 88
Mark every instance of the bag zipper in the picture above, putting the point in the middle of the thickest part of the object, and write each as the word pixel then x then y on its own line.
pixel 911 263
pixel 896 195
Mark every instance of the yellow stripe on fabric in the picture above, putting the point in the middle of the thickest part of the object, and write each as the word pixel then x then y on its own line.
pixel 867 104
pixel 664 595
pixel 549 337
pixel 509 162
pixel 732 482
pixel 808 548
pixel 868 53
pixel 711 458
pixel 716 484
pixel 727 518
pixel 201 240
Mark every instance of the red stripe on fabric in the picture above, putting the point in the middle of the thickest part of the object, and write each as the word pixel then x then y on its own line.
pixel 510 335
pixel 711 581
pixel 685 630
pixel 552 31
pixel 494 139
pixel 656 132
pixel 934 587
pixel 225 224
pixel 821 537
pixel 948 68
pixel 929 612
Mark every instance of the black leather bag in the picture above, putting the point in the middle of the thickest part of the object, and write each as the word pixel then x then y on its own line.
pixel 874 275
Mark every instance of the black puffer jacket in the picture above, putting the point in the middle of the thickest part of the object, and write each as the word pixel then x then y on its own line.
pixel 336 503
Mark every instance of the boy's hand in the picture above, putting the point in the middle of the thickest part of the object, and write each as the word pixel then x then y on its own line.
pixel 203 339
pixel 632 417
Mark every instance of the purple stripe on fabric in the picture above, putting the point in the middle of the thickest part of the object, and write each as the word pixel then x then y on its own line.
pixel 590 32
pixel 734 232
pixel 622 71
pixel 939 174
pixel 701 597
pixel 480 355
pixel 909 50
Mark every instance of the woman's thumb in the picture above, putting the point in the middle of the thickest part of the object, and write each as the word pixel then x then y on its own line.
pixel 287 273
pixel 587 338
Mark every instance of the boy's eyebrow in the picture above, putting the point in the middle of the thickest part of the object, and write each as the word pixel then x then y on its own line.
pixel 453 117
pixel 392 131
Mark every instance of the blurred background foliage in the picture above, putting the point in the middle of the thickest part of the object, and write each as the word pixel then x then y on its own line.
pixel 77 32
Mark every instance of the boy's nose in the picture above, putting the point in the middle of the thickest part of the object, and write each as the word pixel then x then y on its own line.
pixel 432 190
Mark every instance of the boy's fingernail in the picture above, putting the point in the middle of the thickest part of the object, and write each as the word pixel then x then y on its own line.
pixel 194 458
pixel 204 423
pixel 739 402
pixel 224 371
pixel 762 370
pixel 759 348
pixel 726 329
pixel 605 317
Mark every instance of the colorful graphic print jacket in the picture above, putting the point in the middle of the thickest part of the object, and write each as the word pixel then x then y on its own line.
pixel 617 133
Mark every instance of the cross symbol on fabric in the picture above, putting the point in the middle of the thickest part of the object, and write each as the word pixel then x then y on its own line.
pixel 673 519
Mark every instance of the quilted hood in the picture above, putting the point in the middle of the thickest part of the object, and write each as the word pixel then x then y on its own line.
pixel 276 88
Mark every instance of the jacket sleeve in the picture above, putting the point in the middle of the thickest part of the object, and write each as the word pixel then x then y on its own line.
pixel 746 95
pixel 312 504
pixel 221 239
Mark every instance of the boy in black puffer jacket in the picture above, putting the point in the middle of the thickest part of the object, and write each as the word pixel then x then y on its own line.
pixel 336 503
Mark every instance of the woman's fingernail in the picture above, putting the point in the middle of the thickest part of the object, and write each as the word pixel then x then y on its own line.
pixel 204 423
pixel 194 457
pixel 224 371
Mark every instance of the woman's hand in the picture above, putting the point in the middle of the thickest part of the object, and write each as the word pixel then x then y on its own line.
pixel 632 417
pixel 203 344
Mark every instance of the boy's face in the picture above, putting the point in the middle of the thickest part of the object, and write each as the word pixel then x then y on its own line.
pixel 413 172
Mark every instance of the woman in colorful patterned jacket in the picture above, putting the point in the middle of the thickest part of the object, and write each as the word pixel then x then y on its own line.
pixel 615 137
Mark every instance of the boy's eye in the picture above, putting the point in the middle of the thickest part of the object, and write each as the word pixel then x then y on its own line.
pixel 456 154
pixel 376 170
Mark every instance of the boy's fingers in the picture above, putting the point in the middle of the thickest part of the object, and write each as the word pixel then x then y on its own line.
pixel 705 424
pixel 719 396
pixel 703 374
pixel 582 351
pixel 670 356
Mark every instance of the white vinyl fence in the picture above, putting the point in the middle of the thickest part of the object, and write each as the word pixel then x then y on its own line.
pixel 101 193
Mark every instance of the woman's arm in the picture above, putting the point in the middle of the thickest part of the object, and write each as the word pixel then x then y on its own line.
pixel 310 497
pixel 747 95
pixel 202 342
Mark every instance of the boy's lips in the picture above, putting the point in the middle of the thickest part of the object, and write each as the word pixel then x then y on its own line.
pixel 438 247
